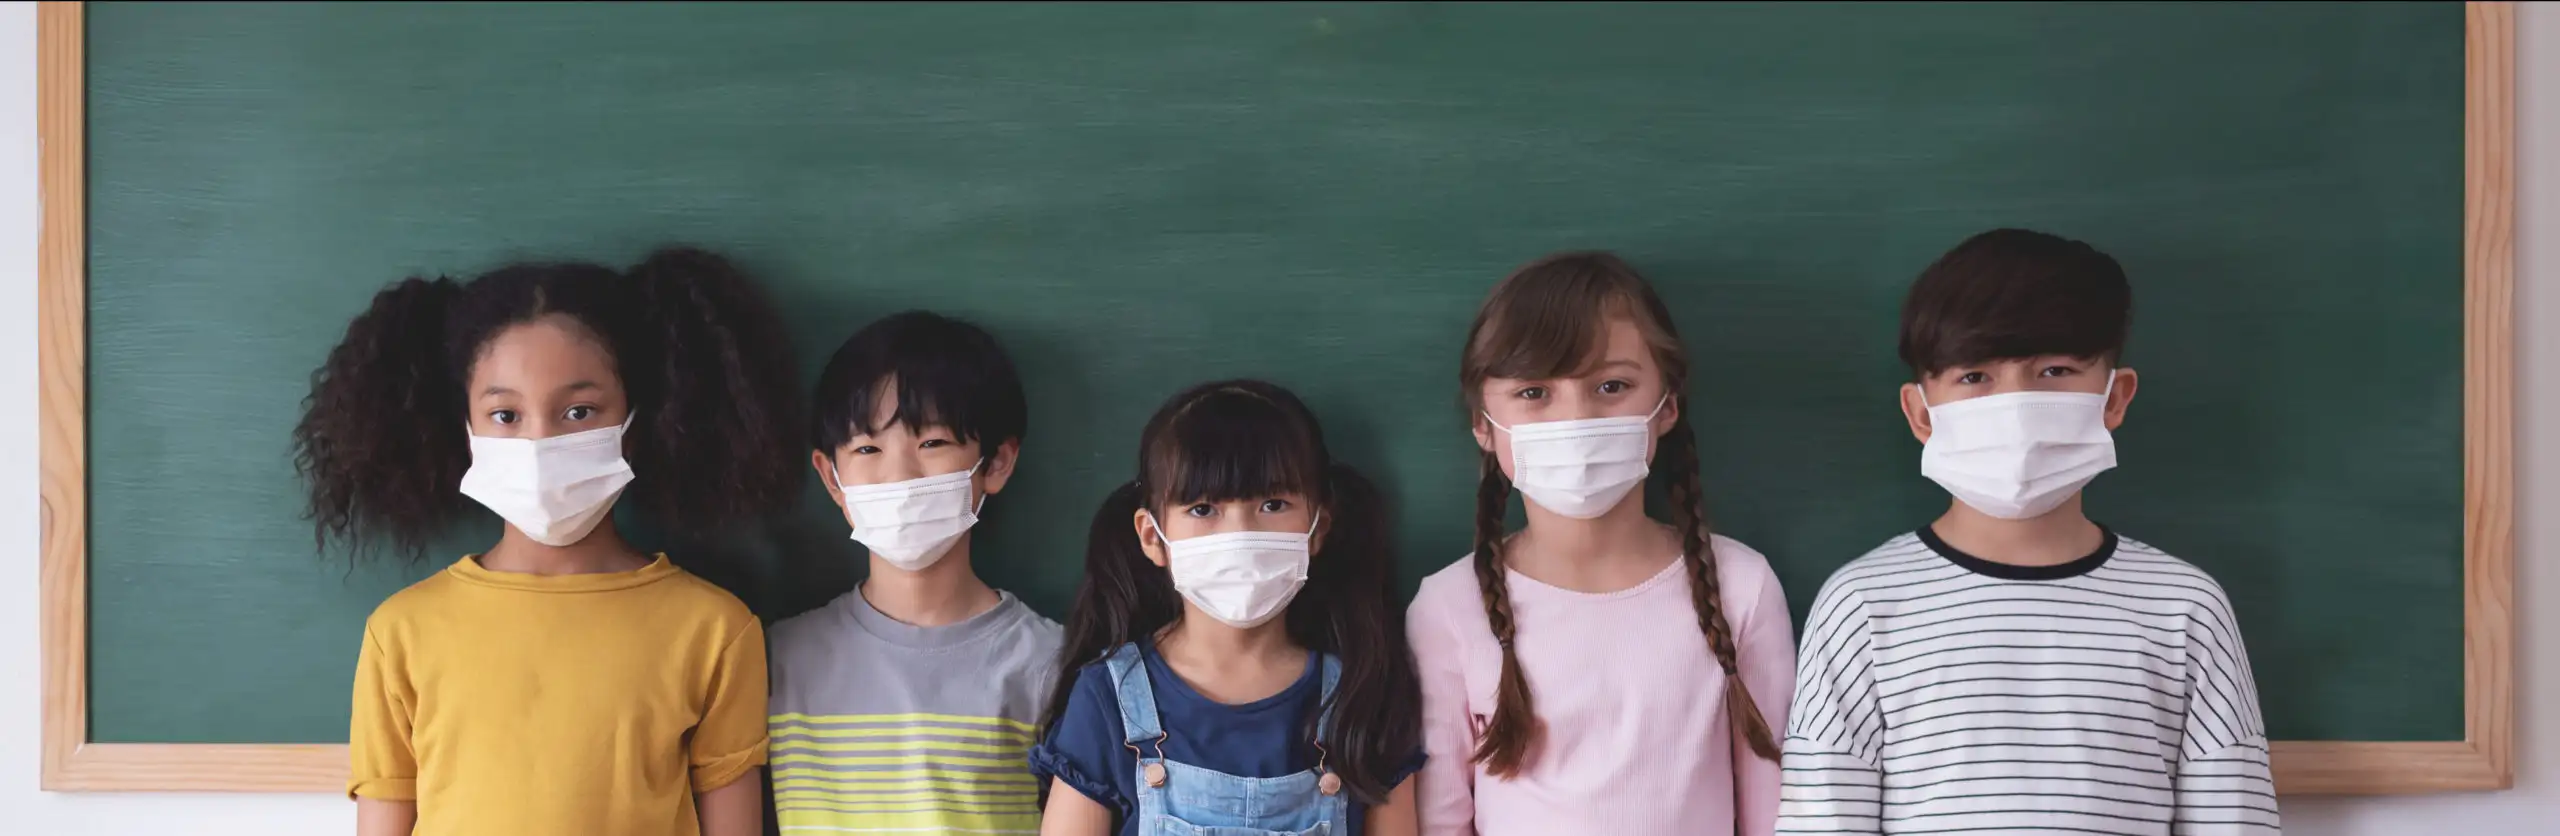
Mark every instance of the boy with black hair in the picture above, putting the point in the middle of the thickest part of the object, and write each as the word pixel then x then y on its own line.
pixel 2013 667
pixel 908 705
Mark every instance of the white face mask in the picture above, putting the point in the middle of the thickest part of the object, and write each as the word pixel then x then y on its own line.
pixel 555 489
pixel 912 524
pixel 1242 578
pixel 2020 454
pixel 1581 469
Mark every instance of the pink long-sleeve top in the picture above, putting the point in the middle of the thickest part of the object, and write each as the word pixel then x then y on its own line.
pixel 1636 742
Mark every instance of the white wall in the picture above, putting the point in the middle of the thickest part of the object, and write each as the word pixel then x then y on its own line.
pixel 2532 807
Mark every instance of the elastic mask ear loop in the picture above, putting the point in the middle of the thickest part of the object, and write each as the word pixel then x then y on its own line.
pixel 973 483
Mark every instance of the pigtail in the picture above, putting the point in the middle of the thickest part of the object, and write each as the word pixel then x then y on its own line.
pixel 381 446
pixel 1121 598
pixel 1679 454
pixel 1346 611
pixel 719 422
pixel 1514 728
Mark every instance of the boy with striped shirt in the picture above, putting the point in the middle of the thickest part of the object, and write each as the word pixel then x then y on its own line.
pixel 908 705
pixel 2013 667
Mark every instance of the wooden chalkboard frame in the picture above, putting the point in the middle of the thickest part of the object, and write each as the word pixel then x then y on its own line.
pixel 2481 760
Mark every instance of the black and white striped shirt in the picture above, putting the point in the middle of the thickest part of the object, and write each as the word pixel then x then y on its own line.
pixel 1937 692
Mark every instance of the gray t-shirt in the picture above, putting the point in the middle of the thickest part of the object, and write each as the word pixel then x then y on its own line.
pixel 884 726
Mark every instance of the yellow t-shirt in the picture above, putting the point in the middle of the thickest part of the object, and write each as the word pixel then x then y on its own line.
pixel 508 703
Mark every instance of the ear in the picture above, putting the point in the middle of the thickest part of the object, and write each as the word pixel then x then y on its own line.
pixel 1483 429
pixel 825 466
pixel 1148 542
pixel 1324 526
pixel 1915 411
pixel 2121 398
pixel 1667 417
pixel 1000 464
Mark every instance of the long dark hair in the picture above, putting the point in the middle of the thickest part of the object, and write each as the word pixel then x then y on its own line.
pixel 1245 439
pixel 1548 320
pixel 382 445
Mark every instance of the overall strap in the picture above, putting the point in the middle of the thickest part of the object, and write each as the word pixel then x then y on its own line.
pixel 1137 698
pixel 1332 676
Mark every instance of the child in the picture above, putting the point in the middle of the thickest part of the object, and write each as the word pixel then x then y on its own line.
pixel 907 704
pixel 1563 690
pixel 2014 667
pixel 563 681
pixel 1212 693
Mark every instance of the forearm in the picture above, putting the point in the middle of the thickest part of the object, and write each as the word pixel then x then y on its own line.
pixel 377 817
pixel 733 809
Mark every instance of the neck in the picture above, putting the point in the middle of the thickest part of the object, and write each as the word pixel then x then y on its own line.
pixel 1616 545
pixel 1216 644
pixel 947 592
pixel 2060 536
pixel 602 551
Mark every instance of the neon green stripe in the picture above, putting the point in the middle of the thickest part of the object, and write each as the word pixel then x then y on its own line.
pixel 882 778
pixel 781 729
pixel 794 716
pixel 910 760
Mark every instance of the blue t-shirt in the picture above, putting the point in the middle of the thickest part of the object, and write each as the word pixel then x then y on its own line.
pixel 1266 738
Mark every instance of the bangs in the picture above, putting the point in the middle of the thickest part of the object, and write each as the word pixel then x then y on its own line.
pixel 1551 319
pixel 2011 294
pixel 1232 445
pixel 941 372
pixel 921 404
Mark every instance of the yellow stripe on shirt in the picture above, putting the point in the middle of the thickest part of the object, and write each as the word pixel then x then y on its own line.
pixel 1000 722
pixel 1016 750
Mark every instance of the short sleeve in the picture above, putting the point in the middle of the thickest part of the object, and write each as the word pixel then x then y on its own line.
pixel 382 763
pixel 1406 768
pixel 731 737
pixel 1084 747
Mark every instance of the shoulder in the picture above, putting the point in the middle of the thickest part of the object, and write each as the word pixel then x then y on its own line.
pixel 690 597
pixel 1093 705
pixel 812 627
pixel 1449 594
pixel 1894 561
pixel 1894 557
pixel 1038 632
pixel 1743 571
pixel 2137 562
pixel 417 601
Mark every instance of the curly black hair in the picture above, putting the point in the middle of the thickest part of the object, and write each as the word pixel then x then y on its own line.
pixel 383 443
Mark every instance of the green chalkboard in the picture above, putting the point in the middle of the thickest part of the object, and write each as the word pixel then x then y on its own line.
pixel 1138 197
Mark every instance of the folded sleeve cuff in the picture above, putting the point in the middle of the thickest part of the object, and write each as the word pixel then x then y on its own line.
pixel 383 789
pixel 1406 769
pixel 718 772
pixel 1046 762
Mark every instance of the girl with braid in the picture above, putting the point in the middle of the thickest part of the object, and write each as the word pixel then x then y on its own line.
pixel 1596 671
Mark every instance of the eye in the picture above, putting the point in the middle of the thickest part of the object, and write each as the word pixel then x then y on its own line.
pixel 931 443
pixel 1971 378
pixel 1532 393
pixel 1201 511
pixel 2057 371
pixel 865 450
pixel 1274 506
pixel 1612 387
pixel 579 413
pixel 504 417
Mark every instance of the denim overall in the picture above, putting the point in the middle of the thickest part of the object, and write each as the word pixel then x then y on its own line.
pixel 1186 800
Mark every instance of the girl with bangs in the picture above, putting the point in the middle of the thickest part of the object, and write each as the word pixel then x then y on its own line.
pixel 1231 656
pixel 1560 658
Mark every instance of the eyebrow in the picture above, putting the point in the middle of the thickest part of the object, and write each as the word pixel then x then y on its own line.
pixel 580 386
pixel 1620 362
